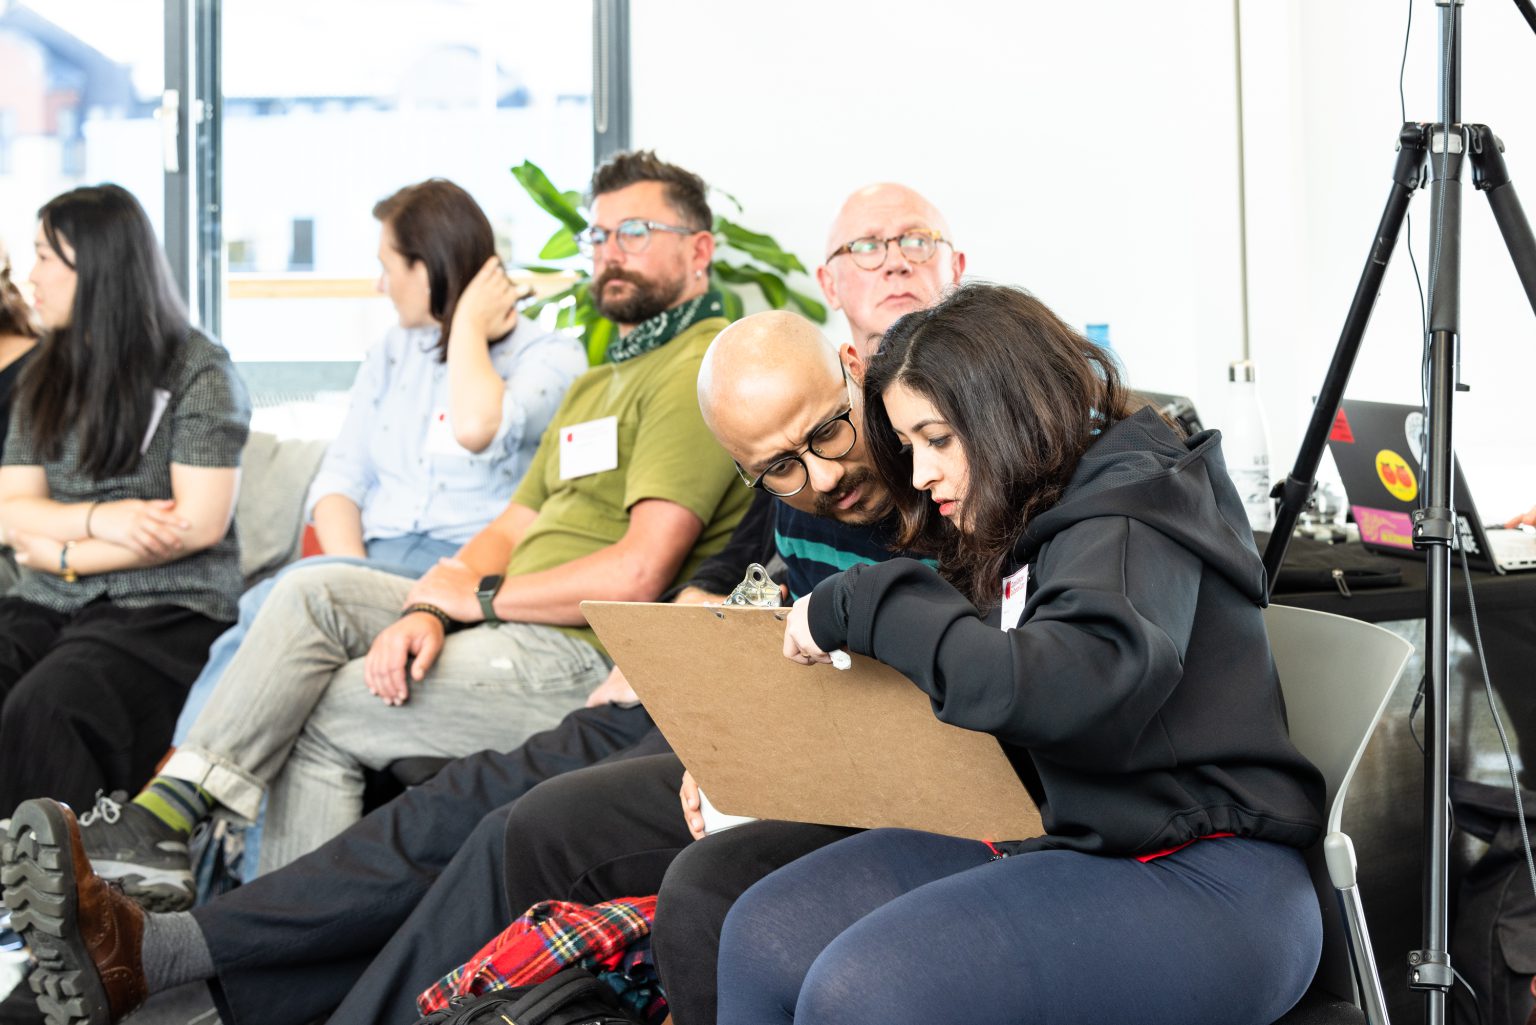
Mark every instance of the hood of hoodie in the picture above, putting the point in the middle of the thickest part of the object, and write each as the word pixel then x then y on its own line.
pixel 1141 469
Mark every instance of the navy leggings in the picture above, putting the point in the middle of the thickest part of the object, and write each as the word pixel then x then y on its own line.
pixel 892 926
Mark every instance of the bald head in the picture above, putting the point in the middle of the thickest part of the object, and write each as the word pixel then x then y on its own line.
pixel 762 359
pixel 879 204
pixel 770 385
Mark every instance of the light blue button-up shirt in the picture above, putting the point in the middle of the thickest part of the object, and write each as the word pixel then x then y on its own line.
pixel 409 476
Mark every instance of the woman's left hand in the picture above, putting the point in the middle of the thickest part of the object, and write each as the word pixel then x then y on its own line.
pixel 488 304
pixel 36 551
pixel 799 645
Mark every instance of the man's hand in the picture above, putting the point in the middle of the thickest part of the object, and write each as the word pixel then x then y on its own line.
pixel 799 645
pixel 36 551
pixel 450 585
pixel 615 690
pixel 488 304
pixel 149 529
pixel 416 639
pixel 697 596
pixel 1528 519
pixel 693 811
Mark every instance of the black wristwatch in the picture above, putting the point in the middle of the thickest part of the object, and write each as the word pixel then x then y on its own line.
pixel 486 592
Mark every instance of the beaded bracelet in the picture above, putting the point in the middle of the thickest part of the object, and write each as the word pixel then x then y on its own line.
pixel 442 617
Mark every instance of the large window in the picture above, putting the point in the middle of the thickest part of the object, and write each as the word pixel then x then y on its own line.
pixel 329 107
pixel 80 81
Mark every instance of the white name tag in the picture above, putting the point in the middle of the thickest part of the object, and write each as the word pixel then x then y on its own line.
pixel 1014 588
pixel 588 448
pixel 440 440
pixel 162 401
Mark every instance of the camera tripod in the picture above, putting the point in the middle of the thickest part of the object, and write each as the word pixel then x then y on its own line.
pixel 1438 150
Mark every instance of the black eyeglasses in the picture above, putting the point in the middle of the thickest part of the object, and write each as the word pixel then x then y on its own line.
pixel 633 235
pixel 831 439
pixel 868 253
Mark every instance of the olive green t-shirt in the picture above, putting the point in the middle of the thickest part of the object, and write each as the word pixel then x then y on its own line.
pixel 664 451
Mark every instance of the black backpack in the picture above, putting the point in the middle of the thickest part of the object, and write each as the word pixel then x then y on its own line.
pixel 571 997
pixel 1493 940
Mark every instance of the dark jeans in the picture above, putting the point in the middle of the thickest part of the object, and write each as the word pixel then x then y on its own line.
pixel 376 915
pixel 617 830
pixel 88 701
pixel 894 927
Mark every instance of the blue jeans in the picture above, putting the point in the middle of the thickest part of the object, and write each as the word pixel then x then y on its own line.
pixel 408 556
pixel 893 926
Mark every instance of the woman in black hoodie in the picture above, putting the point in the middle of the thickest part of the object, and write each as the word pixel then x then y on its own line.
pixel 1099 613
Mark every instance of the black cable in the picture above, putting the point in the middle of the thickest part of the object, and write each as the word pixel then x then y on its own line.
pixel 1477 1008
pixel 1418 699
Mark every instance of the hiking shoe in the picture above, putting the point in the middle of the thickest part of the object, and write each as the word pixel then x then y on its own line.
pixel 147 857
pixel 87 937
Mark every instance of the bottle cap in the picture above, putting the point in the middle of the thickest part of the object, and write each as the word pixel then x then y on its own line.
pixel 1241 370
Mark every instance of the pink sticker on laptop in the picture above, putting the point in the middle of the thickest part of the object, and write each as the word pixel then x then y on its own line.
pixel 1384 527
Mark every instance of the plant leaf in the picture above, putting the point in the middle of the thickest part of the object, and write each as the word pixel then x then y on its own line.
pixel 758 246
pixel 550 199
pixel 599 334
pixel 561 244
pixel 808 306
pixel 535 308
pixel 734 201
pixel 774 290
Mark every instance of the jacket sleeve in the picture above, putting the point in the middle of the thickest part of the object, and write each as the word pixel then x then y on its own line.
pixel 1098 651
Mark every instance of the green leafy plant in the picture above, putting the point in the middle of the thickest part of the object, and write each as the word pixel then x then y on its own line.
pixel 755 260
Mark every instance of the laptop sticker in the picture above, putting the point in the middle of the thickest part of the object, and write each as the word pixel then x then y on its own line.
pixel 1341 431
pixel 1398 477
pixel 1384 527
pixel 1413 430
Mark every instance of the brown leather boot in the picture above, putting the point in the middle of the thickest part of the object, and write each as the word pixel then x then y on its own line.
pixel 85 935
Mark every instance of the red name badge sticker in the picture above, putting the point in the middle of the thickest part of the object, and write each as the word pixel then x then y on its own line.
pixel 1015 588
pixel 588 448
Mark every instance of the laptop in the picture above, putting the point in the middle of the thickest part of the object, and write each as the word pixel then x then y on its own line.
pixel 1378 447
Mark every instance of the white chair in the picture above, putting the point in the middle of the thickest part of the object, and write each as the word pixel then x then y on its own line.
pixel 1337 675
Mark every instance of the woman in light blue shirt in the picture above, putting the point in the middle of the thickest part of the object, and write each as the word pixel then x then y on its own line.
pixel 446 411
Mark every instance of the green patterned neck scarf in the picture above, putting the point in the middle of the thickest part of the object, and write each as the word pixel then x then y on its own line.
pixel 665 326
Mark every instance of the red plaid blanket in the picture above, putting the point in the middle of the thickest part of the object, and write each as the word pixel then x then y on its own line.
pixel 547 937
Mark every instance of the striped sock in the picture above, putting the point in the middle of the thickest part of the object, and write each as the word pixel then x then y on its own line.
pixel 176 802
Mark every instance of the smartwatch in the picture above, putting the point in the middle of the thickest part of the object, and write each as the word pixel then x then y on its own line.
pixel 486 592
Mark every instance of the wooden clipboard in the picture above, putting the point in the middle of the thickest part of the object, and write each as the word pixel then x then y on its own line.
pixel 771 739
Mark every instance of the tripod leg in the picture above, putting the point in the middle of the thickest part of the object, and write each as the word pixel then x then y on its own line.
pixel 1297 488
pixel 1492 178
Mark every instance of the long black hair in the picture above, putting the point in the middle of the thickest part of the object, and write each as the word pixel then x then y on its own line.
pixel 437 223
pixel 96 376
pixel 1024 394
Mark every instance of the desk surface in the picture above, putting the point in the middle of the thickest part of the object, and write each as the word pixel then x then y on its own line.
pixel 1406 600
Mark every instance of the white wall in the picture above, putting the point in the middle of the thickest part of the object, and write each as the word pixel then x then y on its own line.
pixel 1088 152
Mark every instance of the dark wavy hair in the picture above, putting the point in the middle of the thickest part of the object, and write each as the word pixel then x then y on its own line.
pixel 15 315
pixel 686 192
pixel 437 223
pixel 1024 395
pixel 96 377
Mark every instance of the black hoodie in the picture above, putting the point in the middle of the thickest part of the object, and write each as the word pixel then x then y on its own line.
pixel 1136 697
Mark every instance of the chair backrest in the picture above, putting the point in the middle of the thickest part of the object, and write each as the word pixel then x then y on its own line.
pixel 1337 675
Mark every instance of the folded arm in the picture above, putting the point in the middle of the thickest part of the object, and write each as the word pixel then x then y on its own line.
pixel 125 534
